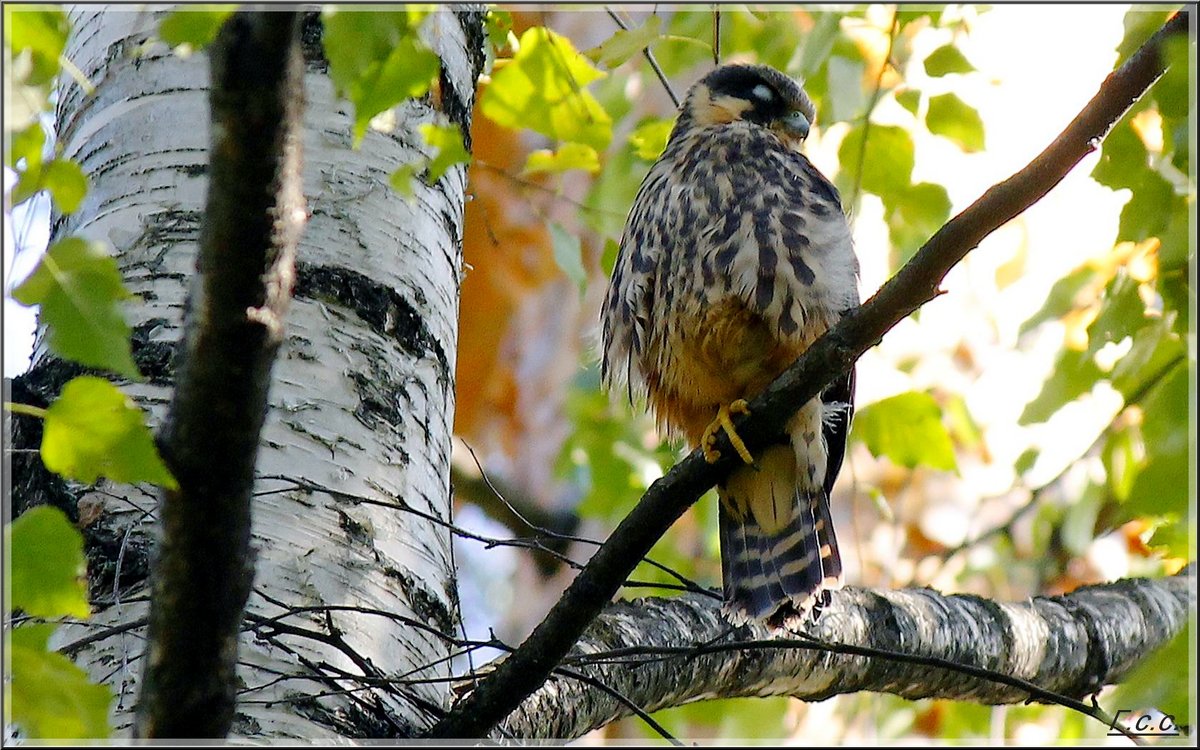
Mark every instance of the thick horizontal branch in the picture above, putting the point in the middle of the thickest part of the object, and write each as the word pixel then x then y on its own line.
pixel 661 653
pixel 830 356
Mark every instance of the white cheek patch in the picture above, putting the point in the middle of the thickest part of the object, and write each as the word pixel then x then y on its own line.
pixel 763 92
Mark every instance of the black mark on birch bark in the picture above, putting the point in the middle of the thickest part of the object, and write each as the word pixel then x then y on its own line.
pixel 381 307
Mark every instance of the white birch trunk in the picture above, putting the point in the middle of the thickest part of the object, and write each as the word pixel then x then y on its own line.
pixel 362 400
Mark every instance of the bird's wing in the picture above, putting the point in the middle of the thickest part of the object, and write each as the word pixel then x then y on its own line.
pixel 630 303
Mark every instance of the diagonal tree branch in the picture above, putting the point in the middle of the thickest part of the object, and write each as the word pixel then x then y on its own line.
pixel 255 211
pixel 660 653
pixel 834 353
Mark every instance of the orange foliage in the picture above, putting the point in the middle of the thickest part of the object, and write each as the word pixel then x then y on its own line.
pixel 508 255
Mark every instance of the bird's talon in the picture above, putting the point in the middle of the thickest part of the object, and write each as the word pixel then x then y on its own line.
pixel 711 454
pixel 723 422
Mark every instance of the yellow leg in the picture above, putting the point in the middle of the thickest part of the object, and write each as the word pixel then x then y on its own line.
pixel 711 454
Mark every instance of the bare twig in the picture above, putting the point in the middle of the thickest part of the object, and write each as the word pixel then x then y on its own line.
pixel 716 34
pixel 658 71
pixel 876 95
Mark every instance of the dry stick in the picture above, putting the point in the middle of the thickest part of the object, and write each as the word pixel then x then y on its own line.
pixel 915 284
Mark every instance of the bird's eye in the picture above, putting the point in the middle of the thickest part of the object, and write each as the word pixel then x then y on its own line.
pixel 797 123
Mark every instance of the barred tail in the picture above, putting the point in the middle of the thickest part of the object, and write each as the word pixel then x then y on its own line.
pixel 773 576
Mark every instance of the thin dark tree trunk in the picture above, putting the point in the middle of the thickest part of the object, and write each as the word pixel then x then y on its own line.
pixel 203 568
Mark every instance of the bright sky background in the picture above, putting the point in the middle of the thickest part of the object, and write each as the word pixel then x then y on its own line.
pixel 27 230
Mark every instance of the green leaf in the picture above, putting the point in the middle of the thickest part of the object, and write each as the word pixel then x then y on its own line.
pixel 48 565
pixel 67 184
pixel 946 60
pixel 568 254
pixel 42 30
pixel 1122 312
pixel 1140 25
pixel 50 697
pixel 906 428
pixel 542 88
pixel 1148 210
pixel 195 25
pixel 1176 249
pixel 910 99
pixel 28 144
pixel 377 59
pixel 649 138
pixel 1155 347
pixel 1161 681
pixel 953 118
pixel 913 216
pixel 1062 297
pixel 1119 457
pixel 886 163
pixel 34 176
pixel 1176 257
pixel 62 177
pixel 1074 374
pixel 624 44
pixel 604 455
pixel 568 156
pixel 845 75
pixel 1124 159
pixel 402 179
pixel 78 287
pixel 94 430
pixel 615 185
pixel 1160 488
pixel 608 259
pixel 1026 460
pixel 448 142
pixel 697 29
pixel 1171 91
pixel 816 45
pixel 498 23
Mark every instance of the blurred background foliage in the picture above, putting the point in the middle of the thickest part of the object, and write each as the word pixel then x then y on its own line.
pixel 1024 434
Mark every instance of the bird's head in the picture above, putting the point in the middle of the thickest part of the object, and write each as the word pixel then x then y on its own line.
pixel 752 93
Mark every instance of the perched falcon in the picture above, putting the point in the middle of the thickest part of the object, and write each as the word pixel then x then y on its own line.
pixel 735 257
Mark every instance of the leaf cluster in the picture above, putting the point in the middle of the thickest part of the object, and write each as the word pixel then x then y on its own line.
pixel 91 430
